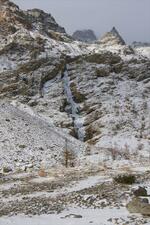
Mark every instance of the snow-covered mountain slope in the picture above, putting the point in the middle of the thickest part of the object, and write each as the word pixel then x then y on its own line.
pixel 27 140
pixel 112 97
pixel 98 93
pixel 144 51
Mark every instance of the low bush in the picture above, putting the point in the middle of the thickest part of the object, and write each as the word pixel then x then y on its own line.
pixel 125 179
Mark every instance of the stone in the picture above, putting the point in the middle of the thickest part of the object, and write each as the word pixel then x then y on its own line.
pixel 145 200
pixel 136 205
pixel 23 168
pixel 6 169
pixel 141 191
pixel 32 103
pixel 29 166
pixel 73 216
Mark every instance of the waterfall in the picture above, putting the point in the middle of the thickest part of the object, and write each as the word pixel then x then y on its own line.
pixel 75 110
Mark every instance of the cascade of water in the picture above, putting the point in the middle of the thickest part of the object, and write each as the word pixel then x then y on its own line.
pixel 75 110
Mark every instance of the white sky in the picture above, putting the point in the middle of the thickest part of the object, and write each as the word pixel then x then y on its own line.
pixel 130 17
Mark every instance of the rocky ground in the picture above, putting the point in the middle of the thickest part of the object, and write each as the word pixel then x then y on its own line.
pixel 30 141
pixel 71 193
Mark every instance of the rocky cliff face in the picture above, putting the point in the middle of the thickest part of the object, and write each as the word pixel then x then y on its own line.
pixel 12 19
pixel 85 36
pixel 111 97
pixel 43 22
pixel 97 93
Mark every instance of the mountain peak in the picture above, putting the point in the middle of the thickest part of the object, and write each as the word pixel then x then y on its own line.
pixel 12 19
pixel 114 30
pixel 112 38
pixel 43 21
pixel 85 35
pixel 7 3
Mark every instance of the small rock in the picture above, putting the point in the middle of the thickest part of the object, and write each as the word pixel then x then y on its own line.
pixel 140 192
pixel 145 200
pixel 23 168
pixel 29 166
pixel 32 103
pixel 73 216
pixel 7 169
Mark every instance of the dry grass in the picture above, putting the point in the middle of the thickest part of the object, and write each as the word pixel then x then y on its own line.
pixel 42 173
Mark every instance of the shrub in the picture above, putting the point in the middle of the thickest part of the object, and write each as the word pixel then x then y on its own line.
pixel 125 179
pixel 42 173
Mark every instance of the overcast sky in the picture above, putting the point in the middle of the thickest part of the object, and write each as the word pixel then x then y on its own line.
pixel 130 17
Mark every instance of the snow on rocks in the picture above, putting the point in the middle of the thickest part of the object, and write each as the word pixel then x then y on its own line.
pixel 30 140
pixel 109 84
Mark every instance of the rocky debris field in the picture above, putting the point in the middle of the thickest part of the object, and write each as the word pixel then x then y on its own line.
pixel 69 193
pixel 28 141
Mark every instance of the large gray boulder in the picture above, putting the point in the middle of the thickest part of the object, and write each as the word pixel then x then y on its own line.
pixel 138 205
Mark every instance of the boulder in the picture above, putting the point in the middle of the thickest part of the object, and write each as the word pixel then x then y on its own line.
pixel 140 192
pixel 137 205
pixel 7 169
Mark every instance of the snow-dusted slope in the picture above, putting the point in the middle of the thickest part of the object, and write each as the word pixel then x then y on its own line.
pixel 28 140
pixel 109 82
pixel 113 101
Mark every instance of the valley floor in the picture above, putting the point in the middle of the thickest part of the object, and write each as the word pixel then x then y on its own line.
pixel 71 196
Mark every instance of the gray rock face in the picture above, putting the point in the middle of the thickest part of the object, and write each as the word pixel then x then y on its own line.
pixel 84 36
pixel 112 38
pixel 12 19
pixel 43 21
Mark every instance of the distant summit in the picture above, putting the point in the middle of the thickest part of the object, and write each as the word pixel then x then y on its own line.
pixel 85 36
pixel 112 38
pixel 136 44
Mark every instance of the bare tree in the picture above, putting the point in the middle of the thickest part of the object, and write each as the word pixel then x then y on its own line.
pixel 68 156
